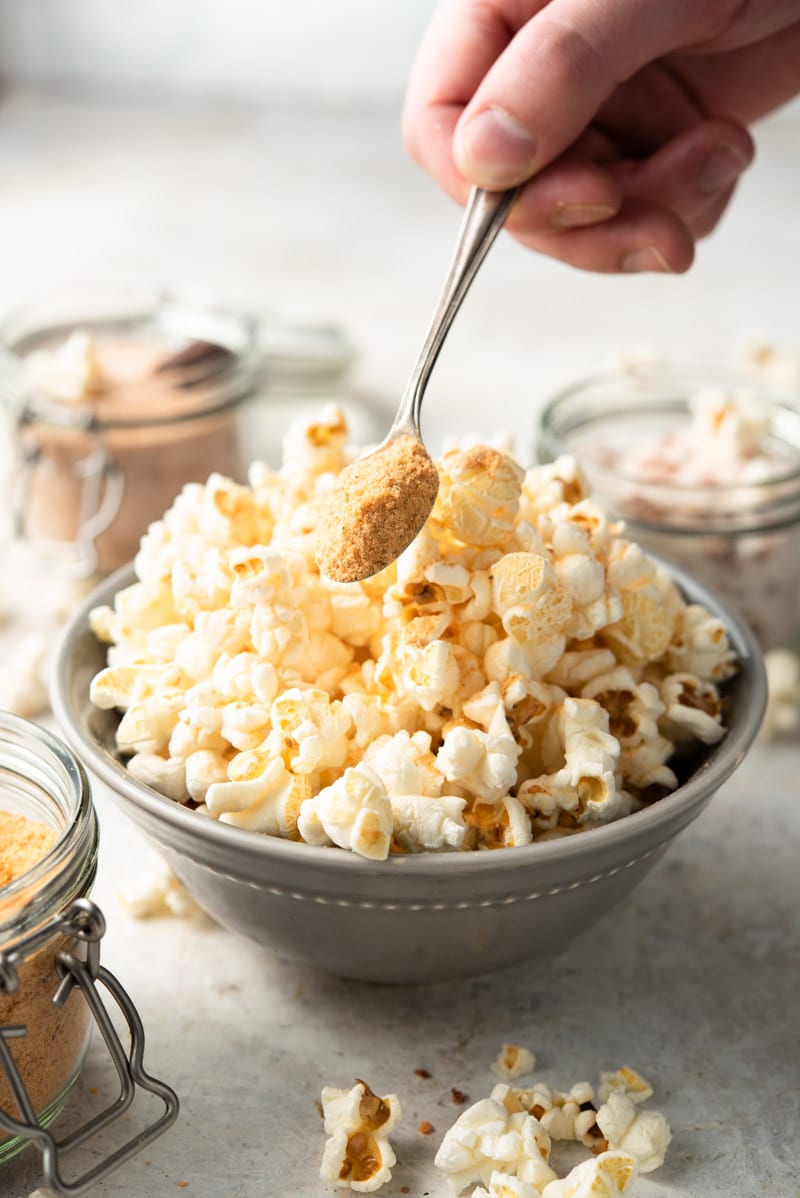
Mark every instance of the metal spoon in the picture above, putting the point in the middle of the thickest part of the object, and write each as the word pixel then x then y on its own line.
pixel 381 502
pixel 484 217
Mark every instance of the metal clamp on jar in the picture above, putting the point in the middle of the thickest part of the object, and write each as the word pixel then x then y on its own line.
pixel 51 979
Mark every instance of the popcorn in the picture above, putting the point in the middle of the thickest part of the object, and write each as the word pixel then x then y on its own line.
pixel 167 775
pixel 692 710
pixel 584 790
pixel 605 1176
pixel 147 725
pixel 495 1135
pixel 521 672
pixel 315 726
pixel 513 1061
pixel 556 1111
pixel 156 892
pixel 201 770
pixel 357 1153
pixel 405 764
pixel 481 757
pixel 479 490
pixel 70 373
pixel 354 812
pixel 634 710
pixel 699 645
pixel 261 795
pixel 421 822
pixel 627 1080
pixel 23 689
pixel 782 717
pixel 643 1134
pixel 504 1185
pixel 317 447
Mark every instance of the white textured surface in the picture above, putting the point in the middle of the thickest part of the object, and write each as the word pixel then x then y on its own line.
pixel 693 980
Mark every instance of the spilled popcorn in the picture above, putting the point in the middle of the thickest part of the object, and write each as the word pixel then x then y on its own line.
pixel 155 891
pixel 504 1141
pixel 521 672
pixel 513 1060
pixel 782 717
pixel 357 1153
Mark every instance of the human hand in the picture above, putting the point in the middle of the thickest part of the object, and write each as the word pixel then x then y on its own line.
pixel 629 117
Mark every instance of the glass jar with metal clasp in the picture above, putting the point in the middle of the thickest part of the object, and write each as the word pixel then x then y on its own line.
pixel 114 401
pixel 53 988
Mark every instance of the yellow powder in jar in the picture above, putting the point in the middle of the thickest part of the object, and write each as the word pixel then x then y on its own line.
pixel 50 1053
pixel 377 507
pixel 23 842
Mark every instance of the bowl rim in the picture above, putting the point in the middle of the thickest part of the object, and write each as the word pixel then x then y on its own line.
pixel 673 809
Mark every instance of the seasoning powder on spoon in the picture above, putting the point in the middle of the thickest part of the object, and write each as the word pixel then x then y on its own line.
pixel 377 507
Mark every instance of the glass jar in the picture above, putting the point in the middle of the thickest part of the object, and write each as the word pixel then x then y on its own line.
pixel 105 429
pixel 741 536
pixel 49 959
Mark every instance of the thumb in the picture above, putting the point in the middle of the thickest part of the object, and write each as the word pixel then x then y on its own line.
pixel 553 77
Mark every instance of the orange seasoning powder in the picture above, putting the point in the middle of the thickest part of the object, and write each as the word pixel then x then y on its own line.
pixel 23 842
pixel 377 507
pixel 49 1055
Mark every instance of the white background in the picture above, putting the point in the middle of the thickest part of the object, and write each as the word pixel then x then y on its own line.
pixel 341 51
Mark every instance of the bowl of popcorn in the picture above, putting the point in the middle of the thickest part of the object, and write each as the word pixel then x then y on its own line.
pixel 433 773
pixel 704 467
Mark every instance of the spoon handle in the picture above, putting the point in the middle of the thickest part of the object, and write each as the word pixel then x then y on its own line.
pixel 484 217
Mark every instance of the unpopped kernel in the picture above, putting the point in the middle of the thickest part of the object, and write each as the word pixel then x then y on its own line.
pixel 522 672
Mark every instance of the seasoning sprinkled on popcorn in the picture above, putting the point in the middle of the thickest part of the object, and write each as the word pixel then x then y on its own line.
pixel 521 672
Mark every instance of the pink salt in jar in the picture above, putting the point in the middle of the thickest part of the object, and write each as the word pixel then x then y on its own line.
pixel 704 467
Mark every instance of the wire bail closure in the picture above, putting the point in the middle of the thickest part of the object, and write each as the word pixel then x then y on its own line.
pixel 84 922
pixel 99 480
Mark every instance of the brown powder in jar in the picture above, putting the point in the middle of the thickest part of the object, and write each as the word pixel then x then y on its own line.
pixel 155 458
pixel 377 507
pixel 49 1054
pixel 23 842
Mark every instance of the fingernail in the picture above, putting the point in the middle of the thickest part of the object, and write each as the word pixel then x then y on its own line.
pixel 646 259
pixel 494 149
pixel 721 168
pixel 572 216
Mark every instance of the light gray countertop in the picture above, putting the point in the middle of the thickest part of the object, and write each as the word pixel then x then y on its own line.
pixel 694 980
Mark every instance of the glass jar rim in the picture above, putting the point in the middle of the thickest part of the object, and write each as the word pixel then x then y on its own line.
pixel 186 314
pixel 39 888
pixel 785 405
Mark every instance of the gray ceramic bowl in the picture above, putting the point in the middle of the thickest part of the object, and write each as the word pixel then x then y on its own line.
pixel 416 918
